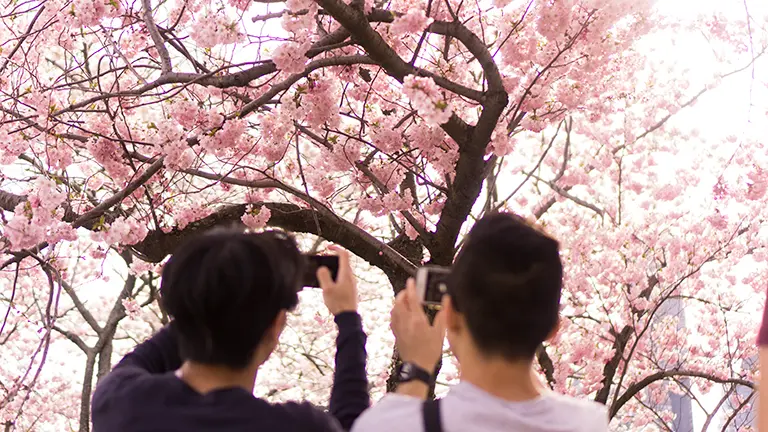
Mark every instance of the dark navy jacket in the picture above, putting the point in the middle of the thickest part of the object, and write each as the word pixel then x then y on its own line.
pixel 142 394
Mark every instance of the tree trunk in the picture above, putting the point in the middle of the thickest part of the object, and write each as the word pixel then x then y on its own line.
pixel 85 398
pixel 609 371
pixel 105 358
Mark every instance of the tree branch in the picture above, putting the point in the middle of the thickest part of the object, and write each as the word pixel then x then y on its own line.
pixel 356 23
pixel 288 82
pixel 637 387
pixel 165 58
pixel 139 181
pixel 158 244
pixel 75 339
pixel 610 368
pixel 21 40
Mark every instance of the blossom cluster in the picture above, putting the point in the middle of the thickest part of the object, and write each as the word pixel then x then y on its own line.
pixel 426 97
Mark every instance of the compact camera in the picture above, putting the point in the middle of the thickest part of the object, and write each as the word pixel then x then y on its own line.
pixel 432 284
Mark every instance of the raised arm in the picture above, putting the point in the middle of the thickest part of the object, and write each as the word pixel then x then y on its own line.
pixel 349 396
pixel 156 355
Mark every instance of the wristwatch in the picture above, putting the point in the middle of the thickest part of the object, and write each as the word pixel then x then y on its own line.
pixel 410 372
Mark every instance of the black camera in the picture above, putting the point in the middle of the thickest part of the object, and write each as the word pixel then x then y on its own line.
pixel 314 262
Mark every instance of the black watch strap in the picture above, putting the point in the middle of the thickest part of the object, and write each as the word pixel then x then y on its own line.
pixel 411 372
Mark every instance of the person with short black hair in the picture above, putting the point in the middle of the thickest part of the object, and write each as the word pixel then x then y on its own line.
pixel 228 293
pixel 502 303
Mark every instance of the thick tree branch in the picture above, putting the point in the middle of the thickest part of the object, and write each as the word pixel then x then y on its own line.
pixel 9 201
pixel 547 366
pixel 158 244
pixel 469 176
pixel 610 368
pixel 394 257
pixel 476 46
pixel 637 387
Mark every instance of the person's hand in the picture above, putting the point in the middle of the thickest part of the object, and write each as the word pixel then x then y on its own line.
pixel 417 341
pixel 339 295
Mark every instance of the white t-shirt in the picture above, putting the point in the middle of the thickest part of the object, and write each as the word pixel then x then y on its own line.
pixel 468 408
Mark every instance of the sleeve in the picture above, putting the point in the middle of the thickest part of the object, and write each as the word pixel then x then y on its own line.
pixel 762 336
pixel 158 354
pixel 349 396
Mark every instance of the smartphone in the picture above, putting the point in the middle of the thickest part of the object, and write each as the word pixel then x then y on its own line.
pixel 432 284
pixel 314 262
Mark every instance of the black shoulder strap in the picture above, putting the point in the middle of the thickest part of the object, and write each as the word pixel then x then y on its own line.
pixel 431 411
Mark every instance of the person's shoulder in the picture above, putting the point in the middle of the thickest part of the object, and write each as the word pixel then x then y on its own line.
pixel 591 412
pixel 307 417
pixel 126 393
pixel 392 412
pixel 578 404
pixel 122 382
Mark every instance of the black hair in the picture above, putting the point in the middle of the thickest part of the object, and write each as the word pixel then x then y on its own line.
pixel 506 281
pixel 225 288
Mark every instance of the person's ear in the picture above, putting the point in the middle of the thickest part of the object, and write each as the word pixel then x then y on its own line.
pixel 278 325
pixel 452 316
pixel 270 339
pixel 555 330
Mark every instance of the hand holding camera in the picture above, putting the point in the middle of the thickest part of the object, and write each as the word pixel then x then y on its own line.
pixel 339 287
pixel 417 341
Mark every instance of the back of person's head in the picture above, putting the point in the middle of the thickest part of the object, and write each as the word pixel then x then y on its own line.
pixel 224 290
pixel 506 283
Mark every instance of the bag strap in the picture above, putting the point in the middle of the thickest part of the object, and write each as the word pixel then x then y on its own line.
pixel 431 412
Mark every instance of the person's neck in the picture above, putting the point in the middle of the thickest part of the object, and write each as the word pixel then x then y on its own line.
pixel 513 381
pixel 207 378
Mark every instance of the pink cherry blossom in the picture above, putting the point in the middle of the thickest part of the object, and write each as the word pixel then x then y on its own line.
pixel 214 29
pixel 256 218
pixel 415 21
pixel 122 232
pixel 39 218
pixel 132 308
pixel 426 98
pixel 289 56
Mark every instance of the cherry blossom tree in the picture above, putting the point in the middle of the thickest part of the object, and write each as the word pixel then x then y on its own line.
pixel 387 128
